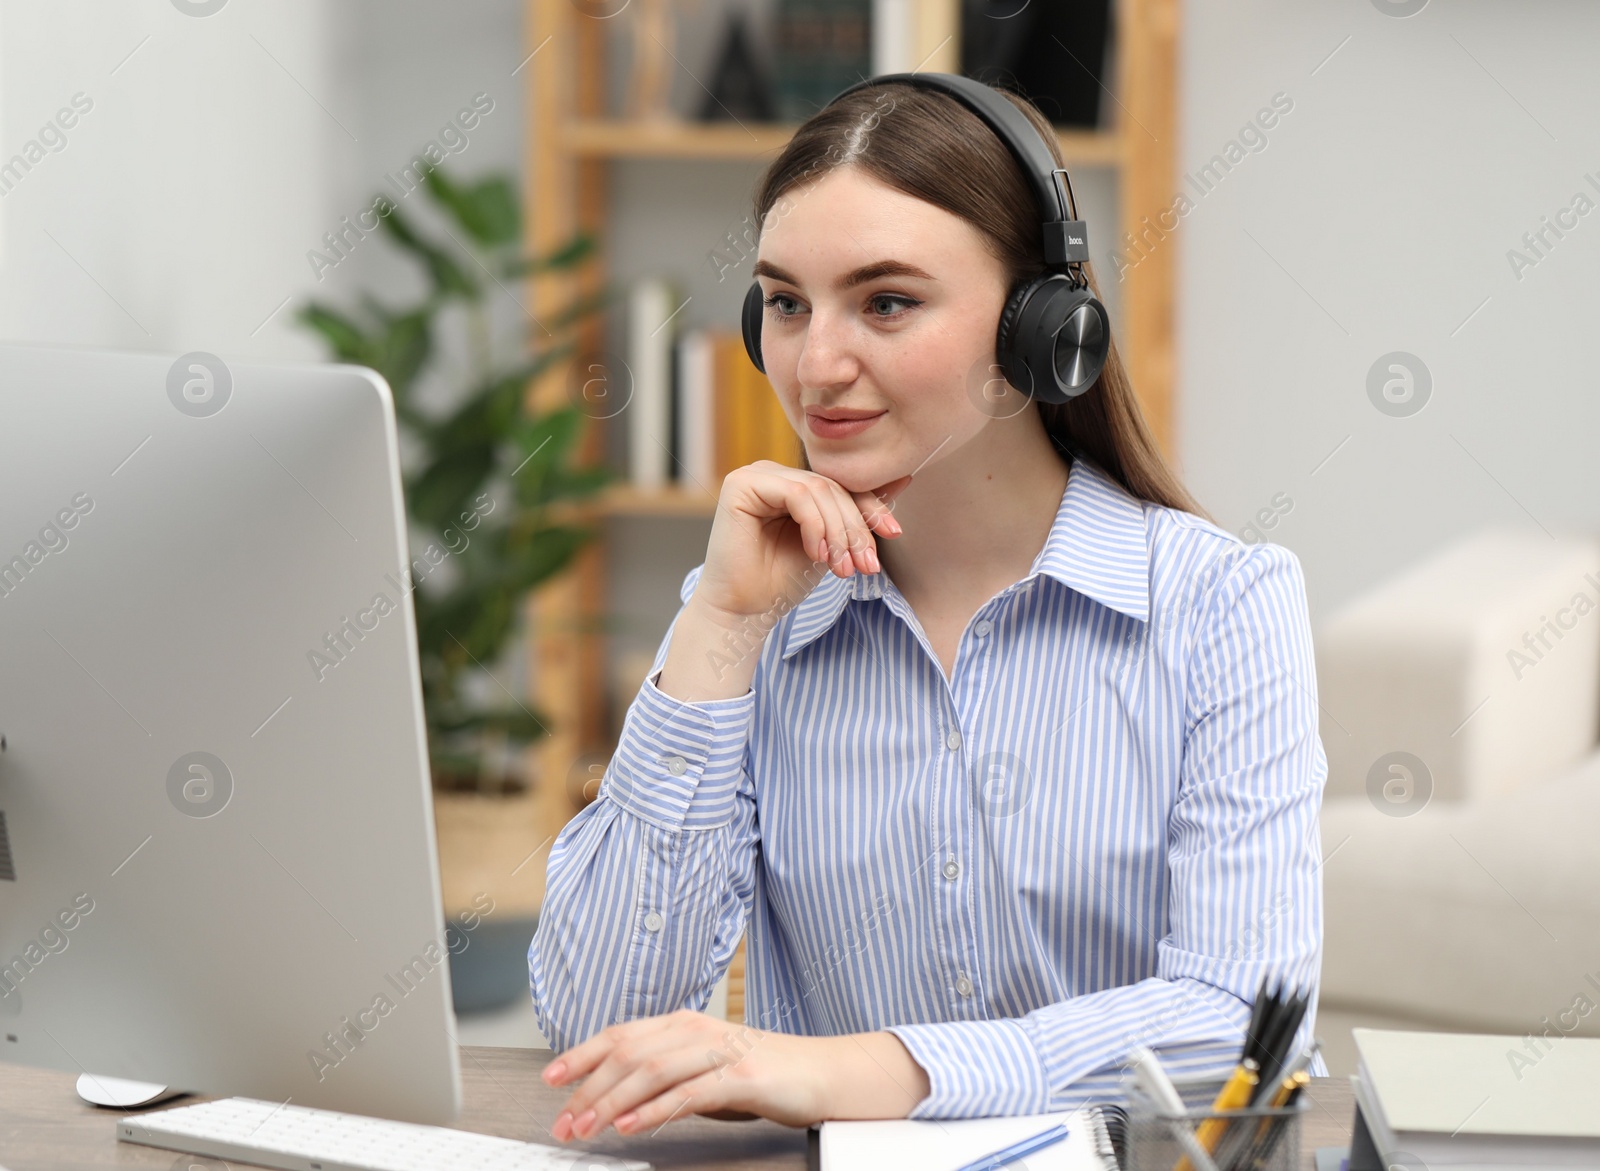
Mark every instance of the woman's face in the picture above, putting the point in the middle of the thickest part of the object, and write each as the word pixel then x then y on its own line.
pixel 881 302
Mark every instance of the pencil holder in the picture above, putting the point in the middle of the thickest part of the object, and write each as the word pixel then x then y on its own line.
pixel 1254 1138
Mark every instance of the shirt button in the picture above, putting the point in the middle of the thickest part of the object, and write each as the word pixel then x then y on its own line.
pixel 653 921
pixel 952 869
pixel 983 628
pixel 963 986
pixel 952 740
pixel 675 765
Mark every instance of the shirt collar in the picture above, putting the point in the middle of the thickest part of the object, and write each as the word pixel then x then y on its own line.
pixel 1097 546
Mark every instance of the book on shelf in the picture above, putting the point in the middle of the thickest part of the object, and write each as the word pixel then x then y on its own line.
pixel 652 301
pixel 698 408
pixel 726 412
pixel 819 48
pixel 894 36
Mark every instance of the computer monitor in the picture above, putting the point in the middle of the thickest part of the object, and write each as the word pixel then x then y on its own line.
pixel 217 860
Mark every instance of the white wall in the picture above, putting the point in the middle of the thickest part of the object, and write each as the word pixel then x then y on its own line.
pixel 1419 150
pixel 405 69
pixel 177 212
pixel 219 150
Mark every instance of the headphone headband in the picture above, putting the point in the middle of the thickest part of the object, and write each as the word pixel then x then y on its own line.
pixel 1065 235
pixel 1054 335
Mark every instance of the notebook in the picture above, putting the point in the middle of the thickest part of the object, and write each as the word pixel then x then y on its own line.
pixel 1476 1100
pixel 946 1145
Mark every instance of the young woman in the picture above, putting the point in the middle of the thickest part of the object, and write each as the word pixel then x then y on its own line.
pixel 1003 756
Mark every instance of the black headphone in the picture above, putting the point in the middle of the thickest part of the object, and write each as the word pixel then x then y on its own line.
pixel 1052 324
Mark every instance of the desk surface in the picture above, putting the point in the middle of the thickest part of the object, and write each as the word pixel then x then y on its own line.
pixel 45 1127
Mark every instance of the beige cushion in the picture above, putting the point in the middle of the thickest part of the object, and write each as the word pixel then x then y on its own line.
pixel 1482 662
pixel 1484 914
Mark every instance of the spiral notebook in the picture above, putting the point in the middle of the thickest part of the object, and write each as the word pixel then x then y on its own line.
pixel 1093 1143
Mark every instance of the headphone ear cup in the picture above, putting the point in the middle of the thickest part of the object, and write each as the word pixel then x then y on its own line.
pixel 750 322
pixel 1054 337
pixel 1006 353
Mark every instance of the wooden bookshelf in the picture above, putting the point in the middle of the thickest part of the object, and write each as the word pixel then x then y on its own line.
pixel 570 146
pixel 624 500
pixel 610 138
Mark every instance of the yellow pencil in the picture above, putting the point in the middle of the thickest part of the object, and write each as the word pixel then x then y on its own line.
pixel 1294 1081
pixel 1287 1090
pixel 1235 1093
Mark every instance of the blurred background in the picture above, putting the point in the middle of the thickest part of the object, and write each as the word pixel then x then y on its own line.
pixel 1347 250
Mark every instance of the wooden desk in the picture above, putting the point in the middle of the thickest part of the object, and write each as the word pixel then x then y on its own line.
pixel 45 1127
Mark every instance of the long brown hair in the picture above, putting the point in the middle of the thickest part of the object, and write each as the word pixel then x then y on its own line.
pixel 931 146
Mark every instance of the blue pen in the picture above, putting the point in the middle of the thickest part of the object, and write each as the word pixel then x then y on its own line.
pixel 1017 1150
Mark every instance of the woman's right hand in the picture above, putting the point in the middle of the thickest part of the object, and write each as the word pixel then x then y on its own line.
pixel 774 523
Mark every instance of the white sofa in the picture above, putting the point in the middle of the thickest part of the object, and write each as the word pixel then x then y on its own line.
pixel 1461 826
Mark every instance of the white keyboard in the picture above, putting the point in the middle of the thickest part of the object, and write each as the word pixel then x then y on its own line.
pixel 299 1138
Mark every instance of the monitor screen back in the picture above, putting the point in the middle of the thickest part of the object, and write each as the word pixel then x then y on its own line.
pixel 217 862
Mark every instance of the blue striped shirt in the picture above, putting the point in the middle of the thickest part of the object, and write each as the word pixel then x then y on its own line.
pixel 1099 832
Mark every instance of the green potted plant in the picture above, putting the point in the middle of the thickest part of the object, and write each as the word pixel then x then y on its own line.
pixel 479 478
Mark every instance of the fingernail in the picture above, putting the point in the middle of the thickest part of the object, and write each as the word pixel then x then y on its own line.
pixel 562 1119
pixel 894 525
pixel 585 1121
pixel 626 1122
pixel 555 1071
pixel 872 561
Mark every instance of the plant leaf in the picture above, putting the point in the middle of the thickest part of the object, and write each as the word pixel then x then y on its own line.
pixel 584 306
pixel 449 278
pixel 396 348
pixel 543 473
pixel 466 613
pixel 568 255
pixel 348 341
pixel 435 497
pixel 543 553
pixel 486 211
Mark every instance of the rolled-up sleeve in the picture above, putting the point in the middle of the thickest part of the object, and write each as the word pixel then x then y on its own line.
pixel 1244 861
pixel 648 887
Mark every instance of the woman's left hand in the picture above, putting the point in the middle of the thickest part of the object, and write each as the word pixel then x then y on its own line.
pixel 642 1074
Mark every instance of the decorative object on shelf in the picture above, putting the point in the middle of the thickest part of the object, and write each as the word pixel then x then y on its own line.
pixel 479 478
pixel 650 77
pixel 819 47
pixel 1053 53
pixel 694 411
pixel 740 89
